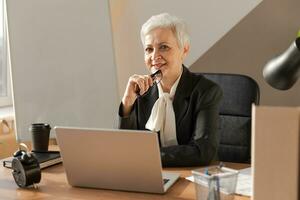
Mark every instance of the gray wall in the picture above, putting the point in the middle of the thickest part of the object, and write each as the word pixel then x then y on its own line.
pixel 264 33
pixel 62 63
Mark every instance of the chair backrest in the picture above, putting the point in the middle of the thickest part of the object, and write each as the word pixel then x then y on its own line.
pixel 239 93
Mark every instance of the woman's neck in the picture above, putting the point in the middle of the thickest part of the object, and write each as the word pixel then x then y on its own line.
pixel 165 87
pixel 167 83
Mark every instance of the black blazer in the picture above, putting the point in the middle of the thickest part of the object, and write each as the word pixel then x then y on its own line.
pixel 196 111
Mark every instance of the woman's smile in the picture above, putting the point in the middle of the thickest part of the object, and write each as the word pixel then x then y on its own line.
pixel 158 66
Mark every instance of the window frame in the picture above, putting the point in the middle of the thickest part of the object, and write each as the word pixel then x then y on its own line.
pixel 6 100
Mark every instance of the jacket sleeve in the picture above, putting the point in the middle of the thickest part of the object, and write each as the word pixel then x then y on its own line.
pixel 203 146
pixel 130 121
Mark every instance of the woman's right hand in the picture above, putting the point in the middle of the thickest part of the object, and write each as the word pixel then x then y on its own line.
pixel 137 85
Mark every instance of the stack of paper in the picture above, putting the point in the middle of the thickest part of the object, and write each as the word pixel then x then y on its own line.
pixel 244 184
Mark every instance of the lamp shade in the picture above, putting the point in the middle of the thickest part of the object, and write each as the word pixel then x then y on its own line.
pixel 283 71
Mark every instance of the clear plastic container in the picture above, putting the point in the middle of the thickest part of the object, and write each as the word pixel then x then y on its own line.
pixel 215 183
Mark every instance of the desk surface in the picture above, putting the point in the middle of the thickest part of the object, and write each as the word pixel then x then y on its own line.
pixel 54 186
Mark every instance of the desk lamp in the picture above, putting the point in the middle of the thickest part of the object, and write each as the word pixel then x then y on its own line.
pixel 283 71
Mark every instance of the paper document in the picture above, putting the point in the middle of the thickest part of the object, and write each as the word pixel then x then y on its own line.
pixel 244 183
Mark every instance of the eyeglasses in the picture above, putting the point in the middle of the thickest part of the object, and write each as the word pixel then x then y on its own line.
pixel 156 78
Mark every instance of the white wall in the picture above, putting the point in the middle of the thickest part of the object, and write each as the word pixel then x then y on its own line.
pixel 62 62
pixel 208 21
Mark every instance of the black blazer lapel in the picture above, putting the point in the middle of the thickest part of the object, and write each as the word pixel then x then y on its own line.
pixel 182 95
pixel 146 103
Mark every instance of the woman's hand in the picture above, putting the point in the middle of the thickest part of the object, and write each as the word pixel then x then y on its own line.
pixel 137 85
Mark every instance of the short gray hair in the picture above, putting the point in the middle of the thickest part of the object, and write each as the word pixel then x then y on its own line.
pixel 165 20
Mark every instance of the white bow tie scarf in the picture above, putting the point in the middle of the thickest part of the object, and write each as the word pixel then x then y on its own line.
pixel 162 117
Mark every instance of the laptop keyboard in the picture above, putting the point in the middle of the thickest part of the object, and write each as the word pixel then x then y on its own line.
pixel 165 180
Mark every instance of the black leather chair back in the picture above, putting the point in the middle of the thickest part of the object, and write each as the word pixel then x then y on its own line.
pixel 239 92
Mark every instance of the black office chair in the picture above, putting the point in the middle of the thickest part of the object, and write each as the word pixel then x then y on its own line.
pixel 239 92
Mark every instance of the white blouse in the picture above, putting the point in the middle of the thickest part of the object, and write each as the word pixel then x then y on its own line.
pixel 162 116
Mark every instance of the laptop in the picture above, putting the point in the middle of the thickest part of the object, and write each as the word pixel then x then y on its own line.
pixel 114 159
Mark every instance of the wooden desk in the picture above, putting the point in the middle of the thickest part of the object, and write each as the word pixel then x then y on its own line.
pixel 54 186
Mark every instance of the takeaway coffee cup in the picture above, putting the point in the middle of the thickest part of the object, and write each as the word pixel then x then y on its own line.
pixel 40 136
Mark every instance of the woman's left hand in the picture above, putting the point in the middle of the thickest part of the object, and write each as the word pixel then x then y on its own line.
pixel 137 85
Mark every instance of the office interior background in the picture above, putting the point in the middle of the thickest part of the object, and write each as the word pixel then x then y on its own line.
pixel 226 36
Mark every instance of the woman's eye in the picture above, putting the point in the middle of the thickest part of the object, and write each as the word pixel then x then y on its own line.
pixel 164 47
pixel 148 50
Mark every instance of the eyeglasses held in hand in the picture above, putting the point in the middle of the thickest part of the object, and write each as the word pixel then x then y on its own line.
pixel 156 78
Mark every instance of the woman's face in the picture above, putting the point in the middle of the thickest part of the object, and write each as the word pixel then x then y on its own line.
pixel 162 52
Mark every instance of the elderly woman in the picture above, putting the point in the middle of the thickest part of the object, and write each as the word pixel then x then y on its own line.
pixel 181 107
